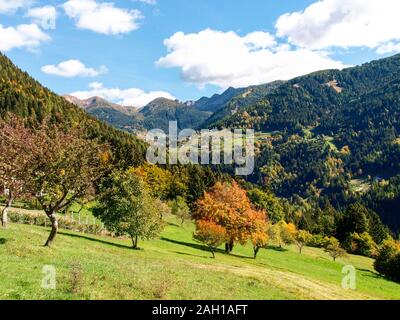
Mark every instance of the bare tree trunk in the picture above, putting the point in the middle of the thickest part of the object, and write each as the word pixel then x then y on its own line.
pixel 4 213
pixel 212 252
pixel 229 246
pixel 54 229
pixel 134 242
pixel 256 250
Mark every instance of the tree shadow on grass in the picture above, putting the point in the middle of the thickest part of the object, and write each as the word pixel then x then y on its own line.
pixel 191 245
pixel 372 274
pixel 97 240
pixel 202 247
pixel 274 248
pixel 3 241
pixel 190 255
pixel 241 257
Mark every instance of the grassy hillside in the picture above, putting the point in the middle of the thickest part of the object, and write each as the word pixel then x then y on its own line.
pixel 173 267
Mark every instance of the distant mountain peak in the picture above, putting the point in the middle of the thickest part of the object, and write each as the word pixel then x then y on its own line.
pixel 74 100
pixel 96 102
pixel 163 100
pixel 96 99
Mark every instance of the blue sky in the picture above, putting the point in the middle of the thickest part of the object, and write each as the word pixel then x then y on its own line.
pixel 221 43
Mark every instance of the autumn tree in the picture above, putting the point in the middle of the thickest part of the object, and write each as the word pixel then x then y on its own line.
pixel 228 206
pixel 282 233
pixel 15 158
pixel 268 202
pixel 301 238
pixel 259 235
pixel 327 241
pixel 157 179
pixel 127 208
pixel 64 168
pixel 181 210
pixel 210 234
pixel 361 244
pixel 164 208
pixel 335 250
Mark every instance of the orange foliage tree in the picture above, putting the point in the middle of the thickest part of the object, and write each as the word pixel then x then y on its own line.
pixel 210 234
pixel 228 206
pixel 258 232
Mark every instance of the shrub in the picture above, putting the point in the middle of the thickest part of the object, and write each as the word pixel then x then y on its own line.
pixel 76 278
pixel 316 241
pixel 361 244
pixel 64 223
pixel 320 241
pixel 387 260
pixel 160 288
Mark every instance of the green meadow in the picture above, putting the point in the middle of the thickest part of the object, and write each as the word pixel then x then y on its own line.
pixel 174 267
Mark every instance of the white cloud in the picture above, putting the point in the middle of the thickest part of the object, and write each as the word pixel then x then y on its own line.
pixel 389 47
pixel 10 6
pixel 28 36
pixel 102 17
pixel 126 97
pixel 151 2
pixel 227 59
pixel 73 68
pixel 44 16
pixel 259 40
pixel 342 23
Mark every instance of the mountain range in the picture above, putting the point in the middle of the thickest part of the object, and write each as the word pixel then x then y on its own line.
pixel 157 114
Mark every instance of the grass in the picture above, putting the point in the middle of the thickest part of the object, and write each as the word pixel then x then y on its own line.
pixel 360 185
pixel 331 142
pixel 173 267
pixel 76 211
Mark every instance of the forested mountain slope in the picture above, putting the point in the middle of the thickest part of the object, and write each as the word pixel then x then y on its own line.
pixel 315 99
pixel 332 136
pixel 155 115
pixel 24 96
pixel 158 113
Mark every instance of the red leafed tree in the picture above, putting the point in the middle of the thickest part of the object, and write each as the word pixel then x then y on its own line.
pixel 57 166
pixel 228 206
pixel 64 169
pixel 16 147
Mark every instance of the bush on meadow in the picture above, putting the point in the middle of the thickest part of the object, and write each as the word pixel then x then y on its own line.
pixel 64 223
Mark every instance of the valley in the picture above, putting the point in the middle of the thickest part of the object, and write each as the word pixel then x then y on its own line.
pixel 326 181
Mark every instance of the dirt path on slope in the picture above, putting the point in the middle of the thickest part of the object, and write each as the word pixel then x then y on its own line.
pixel 299 285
